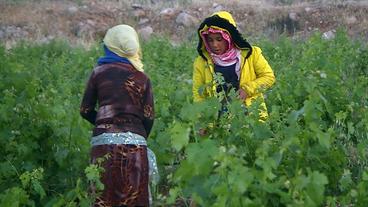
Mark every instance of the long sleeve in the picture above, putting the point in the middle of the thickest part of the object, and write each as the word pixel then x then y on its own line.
pixel 148 107
pixel 88 104
pixel 265 77
pixel 198 81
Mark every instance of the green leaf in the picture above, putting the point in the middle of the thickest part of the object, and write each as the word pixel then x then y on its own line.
pixel 61 154
pixel 261 131
pixel 316 187
pixel 324 139
pixel 345 180
pixel 179 135
pixel 39 189
pixel 201 156
pixel 173 194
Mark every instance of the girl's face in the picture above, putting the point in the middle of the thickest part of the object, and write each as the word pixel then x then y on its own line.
pixel 217 43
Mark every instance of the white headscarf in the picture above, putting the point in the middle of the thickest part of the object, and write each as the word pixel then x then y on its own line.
pixel 123 40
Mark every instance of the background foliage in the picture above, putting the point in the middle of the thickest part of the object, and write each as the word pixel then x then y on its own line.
pixel 311 152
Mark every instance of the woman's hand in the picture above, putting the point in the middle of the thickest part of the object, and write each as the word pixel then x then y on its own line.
pixel 242 94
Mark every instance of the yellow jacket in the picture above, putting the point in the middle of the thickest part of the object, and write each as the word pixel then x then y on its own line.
pixel 256 74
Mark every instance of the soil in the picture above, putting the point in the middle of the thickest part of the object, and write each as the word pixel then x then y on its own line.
pixel 87 21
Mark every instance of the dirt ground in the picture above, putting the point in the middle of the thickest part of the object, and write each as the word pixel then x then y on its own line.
pixel 85 21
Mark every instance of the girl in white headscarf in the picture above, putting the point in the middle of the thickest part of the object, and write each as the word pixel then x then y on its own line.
pixel 123 119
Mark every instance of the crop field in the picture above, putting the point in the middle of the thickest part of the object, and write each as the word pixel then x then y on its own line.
pixel 312 150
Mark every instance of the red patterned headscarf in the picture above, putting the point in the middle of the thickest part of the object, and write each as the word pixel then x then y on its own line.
pixel 232 54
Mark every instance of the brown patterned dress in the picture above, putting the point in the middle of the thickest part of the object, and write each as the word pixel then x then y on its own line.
pixel 125 100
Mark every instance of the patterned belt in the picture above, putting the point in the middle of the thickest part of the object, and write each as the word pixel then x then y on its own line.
pixel 118 138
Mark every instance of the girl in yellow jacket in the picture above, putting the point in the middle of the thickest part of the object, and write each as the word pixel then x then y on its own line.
pixel 222 50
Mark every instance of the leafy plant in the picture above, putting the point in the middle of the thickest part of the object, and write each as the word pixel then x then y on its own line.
pixel 312 150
